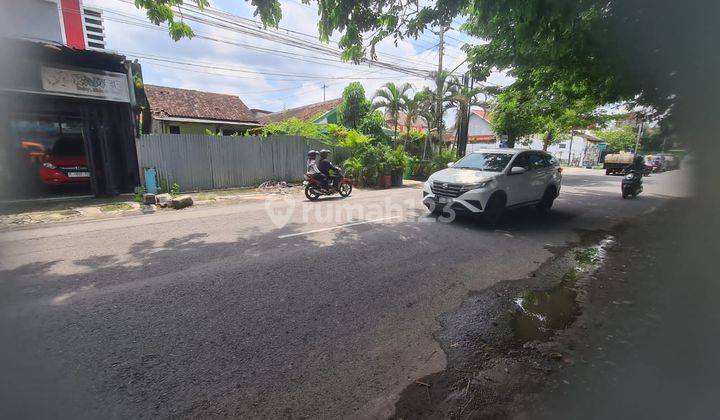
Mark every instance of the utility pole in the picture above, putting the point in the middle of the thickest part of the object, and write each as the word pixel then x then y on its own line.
pixel 439 87
pixel 639 133
pixel 324 86
pixel 464 119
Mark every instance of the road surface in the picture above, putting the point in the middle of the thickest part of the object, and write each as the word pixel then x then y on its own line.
pixel 278 308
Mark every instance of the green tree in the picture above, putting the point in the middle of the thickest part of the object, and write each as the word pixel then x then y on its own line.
pixel 354 107
pixel 514 114
pixel 392 99
pixel 619 139
pixel 520 112
pixel 413 111
pixel 598 51
pixel 374 125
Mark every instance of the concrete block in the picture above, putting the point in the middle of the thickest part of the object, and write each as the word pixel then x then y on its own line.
pixel 181 202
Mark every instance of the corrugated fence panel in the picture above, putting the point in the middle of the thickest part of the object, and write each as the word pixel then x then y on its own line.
pixel 198 162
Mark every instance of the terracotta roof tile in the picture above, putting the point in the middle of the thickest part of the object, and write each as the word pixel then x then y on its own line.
pixel 302 112
pixel 174 102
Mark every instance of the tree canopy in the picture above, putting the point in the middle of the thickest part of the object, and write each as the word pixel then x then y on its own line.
pixel 582 48
pixel 618 139
pixel 354 106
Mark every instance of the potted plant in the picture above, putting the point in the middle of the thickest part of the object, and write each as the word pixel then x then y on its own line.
pixel 397 161
pixel 353 169
pixel 384 175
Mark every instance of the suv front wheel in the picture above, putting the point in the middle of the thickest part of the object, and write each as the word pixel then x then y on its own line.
pixel 494 210
pixel 547 200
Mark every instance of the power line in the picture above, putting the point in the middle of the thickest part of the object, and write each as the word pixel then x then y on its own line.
pixel 245 26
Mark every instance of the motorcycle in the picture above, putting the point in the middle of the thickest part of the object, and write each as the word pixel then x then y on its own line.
pixel 632 184
pixel 314 188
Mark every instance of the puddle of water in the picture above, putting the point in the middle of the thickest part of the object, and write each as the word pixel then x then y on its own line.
pixel 542 312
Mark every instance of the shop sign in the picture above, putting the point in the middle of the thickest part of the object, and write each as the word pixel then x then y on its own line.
pixel 109 86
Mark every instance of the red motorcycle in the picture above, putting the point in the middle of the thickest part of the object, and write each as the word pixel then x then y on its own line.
pixel 314 188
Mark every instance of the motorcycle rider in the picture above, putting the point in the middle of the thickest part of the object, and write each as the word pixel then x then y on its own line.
pixel 632 182
pixel 325 166
pixel 312 167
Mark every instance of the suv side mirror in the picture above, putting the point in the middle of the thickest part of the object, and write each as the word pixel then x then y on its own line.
pixel 450 164
pixel 517 170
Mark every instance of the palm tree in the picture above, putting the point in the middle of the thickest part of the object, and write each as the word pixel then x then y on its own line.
pixel 465 97
pixel 413 111
pixel 393 99
pixel 440 98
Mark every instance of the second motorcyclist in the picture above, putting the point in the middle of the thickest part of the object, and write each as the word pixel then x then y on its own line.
pixel 328 169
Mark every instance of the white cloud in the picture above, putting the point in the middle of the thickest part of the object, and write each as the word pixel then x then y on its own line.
pixel 265 90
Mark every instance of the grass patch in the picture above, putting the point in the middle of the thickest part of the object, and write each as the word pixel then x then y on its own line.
pixel 116 207
pixel 203 196
pixel 586 255
pixel 569 278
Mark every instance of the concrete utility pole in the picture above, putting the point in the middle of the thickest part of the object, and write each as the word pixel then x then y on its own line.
pixel 639 133
pixel 324 86
pixel 439 87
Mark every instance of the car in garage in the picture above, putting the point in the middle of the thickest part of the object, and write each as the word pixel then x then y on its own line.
pixel 490 181
pixel 66 163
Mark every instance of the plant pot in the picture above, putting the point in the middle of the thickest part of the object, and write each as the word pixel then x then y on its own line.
pixel 397 179
pixel 385 181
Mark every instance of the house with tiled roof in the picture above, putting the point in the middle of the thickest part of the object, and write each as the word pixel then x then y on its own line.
pixel 319 113
pixel 419 124
pixel 479 129
pixel 185 111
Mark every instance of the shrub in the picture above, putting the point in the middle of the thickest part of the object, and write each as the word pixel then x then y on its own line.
pixel 442 158
pixel 373 125
pixel 295 127
pixel 397 160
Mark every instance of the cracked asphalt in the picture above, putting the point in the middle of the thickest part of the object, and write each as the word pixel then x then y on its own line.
pixel 265 308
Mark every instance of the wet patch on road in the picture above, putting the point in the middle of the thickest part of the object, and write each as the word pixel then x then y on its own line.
pixel 502 339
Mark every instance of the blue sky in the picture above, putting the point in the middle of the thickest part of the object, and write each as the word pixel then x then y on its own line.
pixel 273 92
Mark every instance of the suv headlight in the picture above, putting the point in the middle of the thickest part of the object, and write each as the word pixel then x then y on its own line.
pixel 476 186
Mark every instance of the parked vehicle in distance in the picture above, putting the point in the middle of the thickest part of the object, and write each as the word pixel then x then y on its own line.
pixel 66 163
pixel 616 163
pixel 490 181
pixel 668 161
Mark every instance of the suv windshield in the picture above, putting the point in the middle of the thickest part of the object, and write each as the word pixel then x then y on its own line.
pixel 492 162
pixel 68 146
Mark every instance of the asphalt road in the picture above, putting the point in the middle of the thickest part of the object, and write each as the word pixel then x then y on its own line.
pixel 278 308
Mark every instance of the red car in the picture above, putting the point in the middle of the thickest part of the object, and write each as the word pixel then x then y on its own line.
pixel 66 163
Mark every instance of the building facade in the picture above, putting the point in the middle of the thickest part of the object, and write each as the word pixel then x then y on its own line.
pixel 66 108
pixel 184 111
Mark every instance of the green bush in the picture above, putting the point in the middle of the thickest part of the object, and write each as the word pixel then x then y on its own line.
pixel 139 192
pixel 373 125
pixel 414 141
pixel 421 169
pixel 175 189
pixel 442 158
pixel 295 127
pixel 397 160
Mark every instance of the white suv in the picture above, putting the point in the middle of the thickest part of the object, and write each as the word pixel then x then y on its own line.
pixel 489 181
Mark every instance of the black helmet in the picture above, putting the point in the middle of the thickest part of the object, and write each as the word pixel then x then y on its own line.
pixel 324 153
pixel 639 159
pixel 312 153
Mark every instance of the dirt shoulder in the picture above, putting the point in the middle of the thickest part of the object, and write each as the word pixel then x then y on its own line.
pixel 550 344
